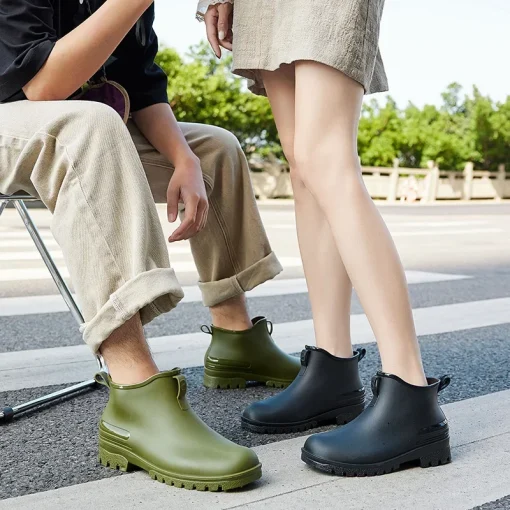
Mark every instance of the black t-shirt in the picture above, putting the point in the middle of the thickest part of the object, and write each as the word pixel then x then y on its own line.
pixel 29 30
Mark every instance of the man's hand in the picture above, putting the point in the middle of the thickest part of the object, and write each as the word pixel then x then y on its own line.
pixel 158 124
pixel 187 186
pixel 218 21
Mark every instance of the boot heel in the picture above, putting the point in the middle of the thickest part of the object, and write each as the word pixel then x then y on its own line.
pixel 224 382
pixel 114 461
pixel 349 413
pixel 436 454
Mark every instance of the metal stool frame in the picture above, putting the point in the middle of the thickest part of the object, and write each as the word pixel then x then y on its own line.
pixel 18 200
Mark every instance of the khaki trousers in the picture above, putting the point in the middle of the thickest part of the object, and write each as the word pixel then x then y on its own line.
pixel 101 181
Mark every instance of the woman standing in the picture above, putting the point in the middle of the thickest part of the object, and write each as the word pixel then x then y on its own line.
pixel 315 60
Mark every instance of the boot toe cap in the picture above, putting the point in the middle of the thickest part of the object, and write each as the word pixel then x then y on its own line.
pixel 318 445
pixel 244 459
pixel 259 412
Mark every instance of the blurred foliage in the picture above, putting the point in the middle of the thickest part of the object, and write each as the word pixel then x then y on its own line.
pixel 202 89
pixel 463 128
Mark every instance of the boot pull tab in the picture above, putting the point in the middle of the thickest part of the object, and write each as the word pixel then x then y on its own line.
pixel 182 387
pixel 444 382
pixel 206 329
pixel 361 354
pixel 102 378
pixel 270 327
pixel 375 385
pixel 305 355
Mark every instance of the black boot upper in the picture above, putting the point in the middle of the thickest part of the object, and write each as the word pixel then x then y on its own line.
pixel 324 383
pixel 400 418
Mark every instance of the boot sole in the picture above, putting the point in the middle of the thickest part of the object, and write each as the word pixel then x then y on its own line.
pixel 114 457
pixel 340 416
pixel 434 454
pixel 239 382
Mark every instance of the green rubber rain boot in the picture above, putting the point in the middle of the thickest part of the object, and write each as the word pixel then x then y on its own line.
pixel 235 357
pixel 151 426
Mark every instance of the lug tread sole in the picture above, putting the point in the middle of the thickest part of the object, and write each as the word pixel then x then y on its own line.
pixel 342 418
pixel 121 463
pixel 431 456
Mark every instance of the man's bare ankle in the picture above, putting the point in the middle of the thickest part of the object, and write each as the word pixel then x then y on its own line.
pixel 127 354
pixel 132 375
pixel 232 314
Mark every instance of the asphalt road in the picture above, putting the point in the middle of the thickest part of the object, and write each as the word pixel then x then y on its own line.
pixel 57 446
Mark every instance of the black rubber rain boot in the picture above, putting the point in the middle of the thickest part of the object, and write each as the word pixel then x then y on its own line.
pixel 327 390
pixel 403 424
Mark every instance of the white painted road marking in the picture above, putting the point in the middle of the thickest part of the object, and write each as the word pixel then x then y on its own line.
pixel 447 232
pixel 41 367
pixel 41 273
pixel 14 256
pixel 51 304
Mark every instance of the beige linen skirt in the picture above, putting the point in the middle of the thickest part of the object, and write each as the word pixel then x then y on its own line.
pixel 343 34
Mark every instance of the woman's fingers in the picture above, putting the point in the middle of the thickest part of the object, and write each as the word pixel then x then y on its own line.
pixel 224 12
pixel 211 27
pixel 226 44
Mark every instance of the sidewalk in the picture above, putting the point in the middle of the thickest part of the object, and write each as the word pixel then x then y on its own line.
pixel 479 473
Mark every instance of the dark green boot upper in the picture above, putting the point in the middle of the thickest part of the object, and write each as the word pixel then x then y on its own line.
pixel 235 357
pixel 151 426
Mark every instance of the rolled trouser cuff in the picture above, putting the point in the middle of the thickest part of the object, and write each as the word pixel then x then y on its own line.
pixel 151 293
pixel 214 293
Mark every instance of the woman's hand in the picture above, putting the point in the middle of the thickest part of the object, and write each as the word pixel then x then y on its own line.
pixel 187 186
pixel 218 21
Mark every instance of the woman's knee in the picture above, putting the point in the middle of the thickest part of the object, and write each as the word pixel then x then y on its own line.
pixel 321 167
pixel 288 151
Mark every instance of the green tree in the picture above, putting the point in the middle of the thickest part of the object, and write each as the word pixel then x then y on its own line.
pixel 380 132
pixel 462 128
pixel 203 89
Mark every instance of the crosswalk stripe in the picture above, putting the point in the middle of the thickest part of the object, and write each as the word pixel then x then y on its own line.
pixel 439 223
pixel 39 367
pixel 16 256
pixel 416 231
pixel 24 243
pixel 480 440
pixel 41 273
pixel 33 254
pixel 7 236
pixel 28 305
pixel 447 232
pixel 23 234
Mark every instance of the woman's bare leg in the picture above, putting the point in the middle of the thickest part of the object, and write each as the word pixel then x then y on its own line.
pixel 328 105
pixel 329 286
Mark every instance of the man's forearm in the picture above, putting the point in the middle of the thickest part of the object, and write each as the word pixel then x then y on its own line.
pixel 81 53
pixel 159 125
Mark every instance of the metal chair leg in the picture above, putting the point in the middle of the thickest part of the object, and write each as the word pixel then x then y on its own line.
pixel 7 413
pixel 52 268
